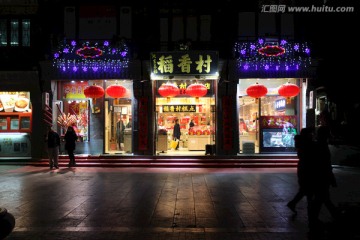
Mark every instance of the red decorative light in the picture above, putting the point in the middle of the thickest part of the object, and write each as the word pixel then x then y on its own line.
pixel 288 90
pixel 89 52
pixel 272 51
pixel 168 90
pixel 196 90
pixel 116 91
pixel 256 91
pixel 94 92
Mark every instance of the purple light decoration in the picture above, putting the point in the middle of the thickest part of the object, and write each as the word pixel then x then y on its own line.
pixel 252 47
pixel 66 50
pixel 266 67
pixel 73 43
pixel 287 68
pixel 113 51
pixel 56 55
pixel 106 43
pixel 307 50
pixel 243 51
pixel 75 69
pixel 85 69
pixel 297 67
pixel 296 47
pixel 95 69
pixel 283 42
pixel 261 41
pixel 246 67
pixel 64 69
pixel 277 68
pixel 123 54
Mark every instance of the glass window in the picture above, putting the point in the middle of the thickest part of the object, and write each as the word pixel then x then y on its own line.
pixel 3 33
pixel 14 28
pixel 14 123
pixel 25 123
pixel 3 123
pixel 26 33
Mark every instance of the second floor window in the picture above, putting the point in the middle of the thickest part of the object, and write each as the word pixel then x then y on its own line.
pixel 15 33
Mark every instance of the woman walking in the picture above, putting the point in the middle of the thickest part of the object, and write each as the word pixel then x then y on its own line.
pixel 70 144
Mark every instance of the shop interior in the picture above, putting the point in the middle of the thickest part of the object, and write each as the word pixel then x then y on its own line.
pixel 252 137
pixel 193 140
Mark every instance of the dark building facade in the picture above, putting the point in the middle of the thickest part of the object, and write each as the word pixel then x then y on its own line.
pixel 115 45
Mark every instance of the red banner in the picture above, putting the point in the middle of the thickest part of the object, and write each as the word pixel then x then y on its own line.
pixel 227 126
pixel 143 123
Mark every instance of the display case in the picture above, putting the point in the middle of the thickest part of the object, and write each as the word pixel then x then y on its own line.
pixel 15 122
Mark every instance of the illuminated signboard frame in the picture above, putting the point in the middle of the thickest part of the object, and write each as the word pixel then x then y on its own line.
pixel 196 63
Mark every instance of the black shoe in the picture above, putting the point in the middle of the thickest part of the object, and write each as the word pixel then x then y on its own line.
pixel 291 206
pixel 57 167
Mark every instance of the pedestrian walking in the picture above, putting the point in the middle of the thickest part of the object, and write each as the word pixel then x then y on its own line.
pixel 323 178
pixel 70 144
pixel 53 144
pixel 304 147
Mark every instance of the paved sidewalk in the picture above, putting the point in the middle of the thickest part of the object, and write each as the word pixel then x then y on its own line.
pixel 171 203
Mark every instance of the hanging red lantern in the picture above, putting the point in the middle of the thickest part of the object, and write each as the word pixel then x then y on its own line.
pixel 94 92
pixel 288 90
pixel 196 90
pixel 116 91
pixel 256 91
pixel 168 90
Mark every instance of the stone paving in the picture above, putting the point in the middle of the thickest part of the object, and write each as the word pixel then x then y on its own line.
pixel 155 204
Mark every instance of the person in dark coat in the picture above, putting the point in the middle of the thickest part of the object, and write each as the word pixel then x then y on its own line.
pixel 53 144
pixel 70 144
pixel 120 127
pixel 323 178
pixel 177 133
pixel 304 145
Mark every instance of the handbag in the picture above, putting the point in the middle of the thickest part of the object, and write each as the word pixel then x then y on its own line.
pixel 174 143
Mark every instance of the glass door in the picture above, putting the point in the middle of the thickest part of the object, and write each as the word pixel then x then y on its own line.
pixel 248 125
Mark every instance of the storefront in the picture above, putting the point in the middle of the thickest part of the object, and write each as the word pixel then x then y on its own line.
pixel 19 108
pixel 272 94
pixel 91 85
pixel 184 86
pixel 102 122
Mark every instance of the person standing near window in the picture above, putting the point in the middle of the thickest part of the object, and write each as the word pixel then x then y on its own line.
pixel 70 144
pixel 120 127
pixel 53 143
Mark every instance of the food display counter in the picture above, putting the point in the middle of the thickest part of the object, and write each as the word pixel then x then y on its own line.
pixel 198 142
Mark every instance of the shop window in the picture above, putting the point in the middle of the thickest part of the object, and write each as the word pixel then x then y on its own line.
pixel 14 123
pixel 25 123
pixel 3 33
pixel 14 30
pixel 3 123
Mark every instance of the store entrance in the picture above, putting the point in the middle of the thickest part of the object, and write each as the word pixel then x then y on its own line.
pixel 197 125
pixel 248 125
pixel 118 125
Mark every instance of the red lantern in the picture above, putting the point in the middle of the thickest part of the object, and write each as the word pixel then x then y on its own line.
pixel 256 91
pixel 116 91
pixel 288 90
pixel 196 90
pixel 94 92
pixel 168 90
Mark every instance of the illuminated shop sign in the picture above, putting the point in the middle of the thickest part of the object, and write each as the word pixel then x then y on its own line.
pixel 184 63
pixel 179 108
pixel 74 90
pixel 280 104
pixel 15 102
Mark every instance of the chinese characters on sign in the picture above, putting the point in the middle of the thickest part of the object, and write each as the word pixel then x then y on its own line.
pixel 180 63
pixel 179 108
pixel 278 121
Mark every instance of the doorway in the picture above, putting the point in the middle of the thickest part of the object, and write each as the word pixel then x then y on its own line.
pixel 248 125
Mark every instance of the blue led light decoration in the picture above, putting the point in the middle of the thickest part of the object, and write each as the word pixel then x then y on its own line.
pixel 272 56
pixel 91 56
